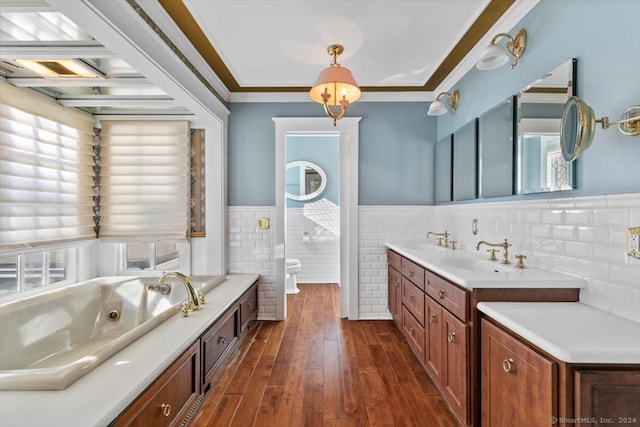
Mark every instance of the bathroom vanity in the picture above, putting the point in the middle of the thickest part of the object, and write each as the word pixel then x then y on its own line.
pixel 433 297
pixel 156 380
pixel 573 364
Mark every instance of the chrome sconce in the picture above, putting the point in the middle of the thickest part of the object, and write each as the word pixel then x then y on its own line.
pixel 438 108
pixel 335 87
pixel 578 126
pixel 494 55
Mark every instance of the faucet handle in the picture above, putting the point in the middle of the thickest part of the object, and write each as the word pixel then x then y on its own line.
pixel 520 263
pixel 184 309
pixel 454 244
pixel 200 297
pixel 439 240
pixel 493 256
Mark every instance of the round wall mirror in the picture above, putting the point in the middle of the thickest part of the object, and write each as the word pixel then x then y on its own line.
pixel 577 128
pixel 304 180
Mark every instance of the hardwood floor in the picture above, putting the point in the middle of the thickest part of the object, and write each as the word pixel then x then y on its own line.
pixel 316 369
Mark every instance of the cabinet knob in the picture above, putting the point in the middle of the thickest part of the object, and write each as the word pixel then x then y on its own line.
pixel 411 298
pixel 432 318
pixel 507 365
pixel 441 294
pixel 249 305
pixel 412 331
pixel 222 339
pixel 451 336
pixel 411 273
pixel 166 409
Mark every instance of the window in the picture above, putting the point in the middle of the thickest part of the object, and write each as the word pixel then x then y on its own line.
pixel 45 171
pixel 152 256
pixel 31 270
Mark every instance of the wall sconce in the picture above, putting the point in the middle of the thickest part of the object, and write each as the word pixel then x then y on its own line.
pixel 438 108
pixel 333 82
pixel 495 56
pixel 578 126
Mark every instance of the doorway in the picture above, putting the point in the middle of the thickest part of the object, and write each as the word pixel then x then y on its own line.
pixel 347 129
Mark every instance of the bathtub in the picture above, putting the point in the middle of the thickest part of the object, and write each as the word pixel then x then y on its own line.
pixel 49 340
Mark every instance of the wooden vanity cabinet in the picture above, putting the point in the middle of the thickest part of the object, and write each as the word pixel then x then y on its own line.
pixel 450 348
pixel 169 398
pixel 394 301
pixel 518 383
pixel 611 395
pixel 215 342
pixel 248 307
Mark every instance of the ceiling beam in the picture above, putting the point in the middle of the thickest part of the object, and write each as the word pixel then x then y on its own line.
pixel 77 82
pixel 57 50
pixel 138 101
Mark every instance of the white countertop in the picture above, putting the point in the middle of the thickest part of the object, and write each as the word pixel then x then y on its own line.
pixel 100 396
pixel 439 259
pixel 571 332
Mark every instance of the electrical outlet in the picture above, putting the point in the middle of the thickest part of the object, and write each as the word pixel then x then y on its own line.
pixel 633 242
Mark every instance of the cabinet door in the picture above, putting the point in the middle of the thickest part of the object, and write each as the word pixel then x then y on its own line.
pixel 433 345
pixel 413 300
pixel 518 383
pixel 168 400
pixel 248 306
pixel 456 372
pixel 607 395
pixel 215 341
pixel 413 332
pixel 395 295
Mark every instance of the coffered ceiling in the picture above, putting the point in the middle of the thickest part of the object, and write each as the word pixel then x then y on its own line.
pixel 240 47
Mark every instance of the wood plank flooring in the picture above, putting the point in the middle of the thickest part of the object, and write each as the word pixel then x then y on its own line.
pixel 316 369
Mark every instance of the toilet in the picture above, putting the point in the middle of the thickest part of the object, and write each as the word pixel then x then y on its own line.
pixel 292 268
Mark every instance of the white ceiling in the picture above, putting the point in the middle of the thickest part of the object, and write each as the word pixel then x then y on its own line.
pixel 284 43
pixel 276 46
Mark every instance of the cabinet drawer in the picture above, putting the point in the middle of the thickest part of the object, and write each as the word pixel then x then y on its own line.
pixel 394 260
pixel 248 306
pixel 413 332
pixel 168 400
pixel 448 295
pixel 215 341
pixel 413 299
pixel 413 272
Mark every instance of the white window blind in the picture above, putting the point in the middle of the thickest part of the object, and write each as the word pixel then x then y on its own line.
pixel 145 180
pixel 45 171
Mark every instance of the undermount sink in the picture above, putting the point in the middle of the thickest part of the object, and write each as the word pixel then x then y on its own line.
pixel 475 265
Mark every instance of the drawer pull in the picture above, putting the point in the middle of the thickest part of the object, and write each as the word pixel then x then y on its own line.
pixel 411 298
pixel 441 294
pixel 451 336
pixel 222 339
pixel 507 365
pixel 412 331
pixel 432 318
pixel 166 409
pixel 249 305
pixel 411 273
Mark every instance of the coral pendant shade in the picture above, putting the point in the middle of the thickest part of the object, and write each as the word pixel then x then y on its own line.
pixel 337 80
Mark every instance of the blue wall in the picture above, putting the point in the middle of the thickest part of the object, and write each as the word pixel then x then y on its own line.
pixel 603 36
pixel 322 150
pixel 397 139
pixel 396 149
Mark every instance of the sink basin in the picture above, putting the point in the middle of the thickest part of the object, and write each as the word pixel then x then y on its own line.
pixel 420 246
pixel 474 264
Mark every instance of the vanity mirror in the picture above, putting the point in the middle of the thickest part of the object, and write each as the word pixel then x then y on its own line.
pixel 304 180
pixel 540 165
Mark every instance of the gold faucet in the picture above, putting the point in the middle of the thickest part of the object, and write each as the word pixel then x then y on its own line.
pixel 193 302
pixel 505 245
pixel 445 235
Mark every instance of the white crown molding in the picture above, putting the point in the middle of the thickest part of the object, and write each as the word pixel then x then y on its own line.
pixel 417 96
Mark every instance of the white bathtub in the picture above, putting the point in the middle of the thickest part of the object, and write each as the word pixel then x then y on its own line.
pixel 49 340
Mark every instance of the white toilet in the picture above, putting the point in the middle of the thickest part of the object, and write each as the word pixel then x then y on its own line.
pixel 292 268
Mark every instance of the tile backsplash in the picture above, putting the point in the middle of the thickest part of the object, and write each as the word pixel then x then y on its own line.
pixel 580 236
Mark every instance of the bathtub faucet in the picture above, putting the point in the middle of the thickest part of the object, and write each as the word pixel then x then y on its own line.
pixel 193 302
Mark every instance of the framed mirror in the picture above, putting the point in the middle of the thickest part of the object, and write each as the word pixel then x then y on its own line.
pixel 304 180
pixel 540 165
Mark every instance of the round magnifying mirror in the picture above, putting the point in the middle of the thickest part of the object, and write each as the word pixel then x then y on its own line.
pixel 577 128
pixel 304 180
